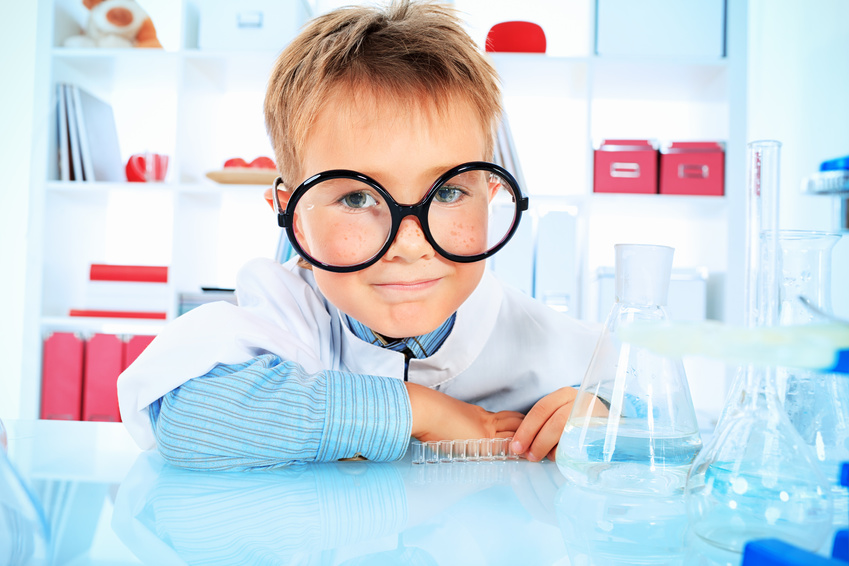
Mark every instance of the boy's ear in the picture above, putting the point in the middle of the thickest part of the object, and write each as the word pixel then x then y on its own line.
pixel 282 194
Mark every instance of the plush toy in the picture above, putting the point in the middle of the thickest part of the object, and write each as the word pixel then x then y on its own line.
pixel 115 23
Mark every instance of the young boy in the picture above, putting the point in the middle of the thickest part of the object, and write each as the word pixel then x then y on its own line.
pixel 389 324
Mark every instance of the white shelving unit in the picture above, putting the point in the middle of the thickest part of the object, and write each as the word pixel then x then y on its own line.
pixel 199 108
pixel 562 106
pixel 202 107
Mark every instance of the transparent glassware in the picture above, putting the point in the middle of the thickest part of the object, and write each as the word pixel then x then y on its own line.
pixel 756 478
pixel 816 403
pixel 600 527
pixel 632 427
pixel 24 534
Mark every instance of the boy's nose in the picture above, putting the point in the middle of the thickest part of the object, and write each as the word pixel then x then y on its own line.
pixel 410 243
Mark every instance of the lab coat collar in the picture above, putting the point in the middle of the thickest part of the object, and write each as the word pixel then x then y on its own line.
pixel 474 323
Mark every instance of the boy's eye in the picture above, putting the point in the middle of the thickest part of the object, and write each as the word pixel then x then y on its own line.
pixel 449 194
pixel 358 200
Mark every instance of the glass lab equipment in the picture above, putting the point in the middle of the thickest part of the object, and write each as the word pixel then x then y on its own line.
pixel 756 478
pixel 817 403
pixel 606 528
pixel 632 427
pixel 24 536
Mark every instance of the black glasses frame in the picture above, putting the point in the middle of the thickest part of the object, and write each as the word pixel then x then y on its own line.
pixel 285 218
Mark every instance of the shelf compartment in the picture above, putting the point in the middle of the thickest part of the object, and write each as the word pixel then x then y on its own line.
pixel 91 325
pixel 651 78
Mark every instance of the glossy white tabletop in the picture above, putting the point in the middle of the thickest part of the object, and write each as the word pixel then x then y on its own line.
pixel 106 502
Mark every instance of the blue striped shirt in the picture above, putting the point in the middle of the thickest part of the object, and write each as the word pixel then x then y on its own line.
pixel 269 412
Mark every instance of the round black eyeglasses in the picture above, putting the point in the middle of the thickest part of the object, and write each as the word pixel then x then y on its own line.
pixel 344 221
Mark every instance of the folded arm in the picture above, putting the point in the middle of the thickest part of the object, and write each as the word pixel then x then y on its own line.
pixel 267 412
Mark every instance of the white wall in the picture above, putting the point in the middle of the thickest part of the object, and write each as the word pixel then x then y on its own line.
pixel 798 93
pixel 17 69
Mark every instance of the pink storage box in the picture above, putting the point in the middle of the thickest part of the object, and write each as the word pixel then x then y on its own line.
pixel 692 168
pixel 625 166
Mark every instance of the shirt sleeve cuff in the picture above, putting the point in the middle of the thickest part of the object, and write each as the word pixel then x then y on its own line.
pixel 366 415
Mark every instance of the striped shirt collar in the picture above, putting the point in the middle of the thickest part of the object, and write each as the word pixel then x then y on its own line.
pixel 417 346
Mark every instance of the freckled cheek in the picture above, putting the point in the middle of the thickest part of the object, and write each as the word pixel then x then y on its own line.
pixel 339 243
pixel 465 238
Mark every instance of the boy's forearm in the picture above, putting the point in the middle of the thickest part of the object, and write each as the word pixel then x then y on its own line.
pixel 265 413
pixel 424 406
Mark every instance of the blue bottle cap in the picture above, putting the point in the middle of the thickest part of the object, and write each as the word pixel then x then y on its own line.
pixel 839 164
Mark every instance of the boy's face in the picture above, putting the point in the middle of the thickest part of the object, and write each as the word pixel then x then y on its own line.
pixel 404 147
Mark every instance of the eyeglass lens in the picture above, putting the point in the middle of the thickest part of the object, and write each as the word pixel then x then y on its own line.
pixel 346 222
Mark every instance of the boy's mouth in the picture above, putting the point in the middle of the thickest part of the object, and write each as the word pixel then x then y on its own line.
pixel 400 286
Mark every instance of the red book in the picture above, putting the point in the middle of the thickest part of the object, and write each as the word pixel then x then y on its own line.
pixel 104 362
pixel 135 346
pixel 140 273
pixel 62 377
pixel 118 314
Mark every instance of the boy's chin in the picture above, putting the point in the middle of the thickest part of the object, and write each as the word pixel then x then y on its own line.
pixel 406 329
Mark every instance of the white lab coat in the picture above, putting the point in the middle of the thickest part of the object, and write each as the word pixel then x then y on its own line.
pixel 506 350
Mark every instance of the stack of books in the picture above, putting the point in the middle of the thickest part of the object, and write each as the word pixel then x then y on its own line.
pixel 87 137
pixel 126 291
pixel 189 301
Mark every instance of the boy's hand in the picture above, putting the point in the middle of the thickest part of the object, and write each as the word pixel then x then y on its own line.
pixel 540 431
pixel 437 416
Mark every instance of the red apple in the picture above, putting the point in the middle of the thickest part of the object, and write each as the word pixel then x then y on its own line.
pixel 263 163
pixel 235 162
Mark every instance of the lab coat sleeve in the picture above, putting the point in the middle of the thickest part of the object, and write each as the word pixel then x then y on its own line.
pixel 278 314
pixel 267 413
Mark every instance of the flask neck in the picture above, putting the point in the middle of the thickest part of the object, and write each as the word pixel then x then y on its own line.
pixel 756 392
pixel 642 274
pixel 805 272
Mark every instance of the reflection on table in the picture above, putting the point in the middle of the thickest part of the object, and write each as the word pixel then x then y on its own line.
pixel 107 503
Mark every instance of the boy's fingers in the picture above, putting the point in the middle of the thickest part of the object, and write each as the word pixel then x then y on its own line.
pixel 539 415
pixel 509 423
pixel 546 440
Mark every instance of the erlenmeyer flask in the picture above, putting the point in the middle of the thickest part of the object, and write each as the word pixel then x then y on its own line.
pixel 605 528
pixel 756 478
pixel 632 427
pixel 816 403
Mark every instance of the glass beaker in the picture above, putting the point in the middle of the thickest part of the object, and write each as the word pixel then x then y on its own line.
pixel 756 478
pixel 816 403
pixel 632 427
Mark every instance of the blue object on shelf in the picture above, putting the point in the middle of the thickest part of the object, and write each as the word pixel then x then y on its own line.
pixel 839 164
pixel 774 552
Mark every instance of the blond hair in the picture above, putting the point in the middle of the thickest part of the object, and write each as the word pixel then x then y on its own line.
pixel 407 50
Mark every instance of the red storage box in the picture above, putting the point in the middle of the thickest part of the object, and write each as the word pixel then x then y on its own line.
pixel 625 166
pixel 62 377
pixel 692 168
pixel 104 362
